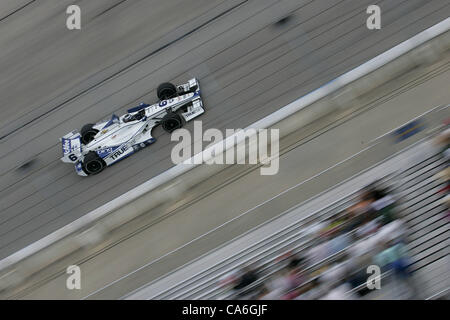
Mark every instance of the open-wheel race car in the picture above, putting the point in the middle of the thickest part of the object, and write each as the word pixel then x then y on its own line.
pixel 99 145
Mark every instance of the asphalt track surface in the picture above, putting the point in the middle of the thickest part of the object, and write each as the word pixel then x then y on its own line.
pixel 55 80
pixel 203 220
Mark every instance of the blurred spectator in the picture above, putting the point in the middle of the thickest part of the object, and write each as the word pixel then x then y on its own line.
pixel 394 257
pixel 266 294
pixel 278 284
pixel 313 292
pixel 336 272
pixel 296 262
pixel 294 278
pixel 249 275
pixel 396 230
pixel 318 252
pixel 340 291
pixel 368 226
pixel 384 205
pixel 340 242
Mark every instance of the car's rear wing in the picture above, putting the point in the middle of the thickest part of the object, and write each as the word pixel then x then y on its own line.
pixel 71 147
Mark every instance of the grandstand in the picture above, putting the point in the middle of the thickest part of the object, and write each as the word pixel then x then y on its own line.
pixel 413 199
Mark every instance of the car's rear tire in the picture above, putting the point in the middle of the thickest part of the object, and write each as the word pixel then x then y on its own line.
pixel 92 163
pixel 88 133
pixel 171 121
pixel 166 91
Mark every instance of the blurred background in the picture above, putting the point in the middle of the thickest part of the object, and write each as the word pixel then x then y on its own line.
pixel 363 150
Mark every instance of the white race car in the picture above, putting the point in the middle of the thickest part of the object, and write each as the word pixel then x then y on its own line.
pixel 104 143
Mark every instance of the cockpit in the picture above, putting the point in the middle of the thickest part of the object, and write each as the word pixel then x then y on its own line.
pixel 133 117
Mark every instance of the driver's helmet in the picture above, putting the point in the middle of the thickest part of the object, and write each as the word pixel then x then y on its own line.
pixel 137 116
pixel 128 117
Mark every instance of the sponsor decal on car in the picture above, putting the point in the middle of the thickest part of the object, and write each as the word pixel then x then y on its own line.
pixel 66 146
pixel 190 113
pixel 105 152
pixel 118 153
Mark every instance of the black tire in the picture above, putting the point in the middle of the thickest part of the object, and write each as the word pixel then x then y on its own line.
pixel 166 91
pixel 171 121
pixel 88 133
pixel 92 163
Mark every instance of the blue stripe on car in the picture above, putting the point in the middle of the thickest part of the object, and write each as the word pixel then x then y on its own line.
pixel 110 122
pixel 139 107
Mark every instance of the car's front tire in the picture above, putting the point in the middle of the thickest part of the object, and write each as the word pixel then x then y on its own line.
pixel 88 133
pixel 166 91
pixel 92 163
pixel 171 121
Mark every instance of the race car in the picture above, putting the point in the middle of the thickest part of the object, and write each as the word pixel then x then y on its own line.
pixel 99 145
